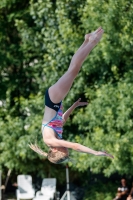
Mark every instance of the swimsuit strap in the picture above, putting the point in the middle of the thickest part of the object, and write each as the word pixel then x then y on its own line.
pixel 52 129
pixel 49 122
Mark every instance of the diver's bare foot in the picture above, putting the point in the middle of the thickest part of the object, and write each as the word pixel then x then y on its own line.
pixel 95 36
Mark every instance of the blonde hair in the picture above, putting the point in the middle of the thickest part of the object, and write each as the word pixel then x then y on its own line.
pixel 54 157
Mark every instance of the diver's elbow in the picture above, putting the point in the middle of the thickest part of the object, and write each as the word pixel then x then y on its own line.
pixel 76 147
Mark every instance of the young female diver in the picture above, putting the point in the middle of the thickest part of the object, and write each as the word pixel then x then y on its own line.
pixel 54 119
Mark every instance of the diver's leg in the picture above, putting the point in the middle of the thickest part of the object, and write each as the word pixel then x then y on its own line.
pixel 59 90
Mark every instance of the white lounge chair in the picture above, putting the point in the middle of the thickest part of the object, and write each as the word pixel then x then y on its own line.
pixel 25 189
pixel 48 189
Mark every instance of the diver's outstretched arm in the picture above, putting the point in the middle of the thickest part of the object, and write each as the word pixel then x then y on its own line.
pixel 53 142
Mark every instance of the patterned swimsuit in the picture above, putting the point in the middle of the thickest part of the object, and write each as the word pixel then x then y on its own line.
pixel 56 123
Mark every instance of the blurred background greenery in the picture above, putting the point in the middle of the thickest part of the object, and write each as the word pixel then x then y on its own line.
pixel 37 41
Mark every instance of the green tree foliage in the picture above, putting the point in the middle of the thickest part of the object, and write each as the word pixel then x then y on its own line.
pixel 38 39
pixel 101 191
